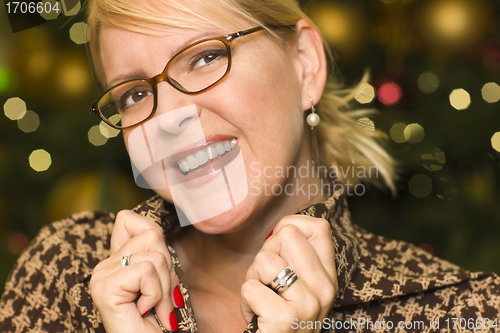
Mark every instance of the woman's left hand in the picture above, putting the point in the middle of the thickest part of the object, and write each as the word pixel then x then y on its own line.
pixel 305 245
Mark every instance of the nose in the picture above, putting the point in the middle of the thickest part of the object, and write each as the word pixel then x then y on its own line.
pixel 176 121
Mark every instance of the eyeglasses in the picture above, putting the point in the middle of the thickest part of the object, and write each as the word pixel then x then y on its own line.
pixel 193 70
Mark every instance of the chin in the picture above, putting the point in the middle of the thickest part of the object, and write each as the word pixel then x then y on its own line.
pixel 231 220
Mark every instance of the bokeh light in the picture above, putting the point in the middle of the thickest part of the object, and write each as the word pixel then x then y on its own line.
pixel 79 33
pixel 414 133
pixel 389 94
pixel 491 92
pixel 74 77
pixel 17 243
pixel 342 25
pixel 495 141
pixel 420 186
pixel 453 24
pixel 460 99
pixel 14 108
pixel 447 189
pixel 95 136
pixel 108 131
pixel 29 123
pixel 70 7
pixel 52 14
pixel 397 132
pixel 4 78
pixel 366 123
pixel 40 160
pixel 366 95
pixel 428 82
pixel 433 159
pixel 39 63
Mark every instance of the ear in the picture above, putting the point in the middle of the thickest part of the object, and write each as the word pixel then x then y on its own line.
pixel 311 63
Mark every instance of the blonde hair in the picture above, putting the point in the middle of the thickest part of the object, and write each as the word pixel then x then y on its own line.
pixel 338 142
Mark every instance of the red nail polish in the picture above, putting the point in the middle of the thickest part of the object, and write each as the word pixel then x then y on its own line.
pixel 178 299
pixel 146 313
pixel 270 234
pixel 174 325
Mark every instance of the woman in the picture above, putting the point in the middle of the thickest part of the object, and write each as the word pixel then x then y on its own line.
pixel 270 249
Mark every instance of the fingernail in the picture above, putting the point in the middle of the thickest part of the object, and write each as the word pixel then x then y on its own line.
pixel 178 299
pixel 146 313
pixel 174 325
pixel 270 234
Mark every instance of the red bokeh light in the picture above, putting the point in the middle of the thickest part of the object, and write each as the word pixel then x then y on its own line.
pixel 390 93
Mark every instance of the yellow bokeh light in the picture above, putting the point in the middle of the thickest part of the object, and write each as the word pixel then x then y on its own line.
pixel 366 123
pixel 95 136
pixel 495 141
pixel 40 160
pixel 460 99
pixel 452 19
pixel 73 77
pixel 79 33
pixel 428 82
pixel 420 186
pixel 14 108
pixel 39 63
pixel 414 133
pixel 108 131
pixel 491 92
pixel 366 94
pixel 29 123
pixel 433 159
pixel 70 11
pixel 53 13
pixel 397 132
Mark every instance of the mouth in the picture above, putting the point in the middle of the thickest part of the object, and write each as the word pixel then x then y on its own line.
pixel 195 160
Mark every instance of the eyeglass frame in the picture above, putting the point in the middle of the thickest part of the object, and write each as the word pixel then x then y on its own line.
pixel 163 76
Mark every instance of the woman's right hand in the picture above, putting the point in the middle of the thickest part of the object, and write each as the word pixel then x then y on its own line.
pixel 125 296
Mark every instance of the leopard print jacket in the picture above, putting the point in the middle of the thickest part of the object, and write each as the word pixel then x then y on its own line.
pixel 384 285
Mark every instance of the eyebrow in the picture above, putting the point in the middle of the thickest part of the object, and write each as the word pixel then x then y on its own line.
pixel 141 75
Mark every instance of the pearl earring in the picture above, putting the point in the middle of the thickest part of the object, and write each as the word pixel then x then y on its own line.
pixel 312 118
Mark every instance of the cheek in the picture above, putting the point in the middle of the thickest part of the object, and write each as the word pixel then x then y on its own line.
pixel 268 97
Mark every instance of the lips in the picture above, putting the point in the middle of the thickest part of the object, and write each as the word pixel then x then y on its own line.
pixel 199 157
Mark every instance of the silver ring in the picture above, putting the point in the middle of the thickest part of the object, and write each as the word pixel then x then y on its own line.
pixel 125 261
pixel 284 280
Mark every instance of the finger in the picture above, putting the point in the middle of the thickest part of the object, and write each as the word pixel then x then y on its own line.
pixel 258 299
pixel 169 282
pixel 123 287
pixel 265 268
pixel 152 241
pixel 318 233
pixel 127 225
pixel 291 244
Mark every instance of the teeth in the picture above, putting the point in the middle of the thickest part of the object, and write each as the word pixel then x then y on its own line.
pixel 202 156
pixel 212 153
pixel 220 149
pixel 192 162
pixel 184 166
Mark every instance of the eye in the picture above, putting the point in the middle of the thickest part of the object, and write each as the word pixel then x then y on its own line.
pixel 134 96
pixel 206 58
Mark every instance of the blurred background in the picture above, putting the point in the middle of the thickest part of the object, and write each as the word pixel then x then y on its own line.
pixel 435 67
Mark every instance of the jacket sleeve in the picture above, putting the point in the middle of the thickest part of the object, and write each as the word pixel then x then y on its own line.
pixel 47 290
